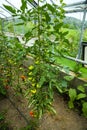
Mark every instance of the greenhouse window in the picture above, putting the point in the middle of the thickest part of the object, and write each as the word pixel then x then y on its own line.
pixel 84 52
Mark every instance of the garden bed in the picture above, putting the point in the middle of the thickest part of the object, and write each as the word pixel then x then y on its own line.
pixel 17 115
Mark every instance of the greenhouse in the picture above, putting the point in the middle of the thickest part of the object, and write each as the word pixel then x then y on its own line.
pixel 43 65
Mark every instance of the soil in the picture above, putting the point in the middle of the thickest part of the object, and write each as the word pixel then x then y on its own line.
pixel 17 115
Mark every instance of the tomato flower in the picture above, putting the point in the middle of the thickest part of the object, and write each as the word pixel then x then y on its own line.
pixel 30 78
pixel 33 80
pixel 31 67
pixel 30 73
pixel 33 91
pixel 38 86
pixel 33 84
pixel 37 62
pixel 20 68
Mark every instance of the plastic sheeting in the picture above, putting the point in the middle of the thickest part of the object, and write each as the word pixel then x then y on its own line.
pixel 69 9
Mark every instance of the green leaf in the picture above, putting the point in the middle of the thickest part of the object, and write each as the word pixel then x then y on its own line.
pixel 70 104
pixel 31 102
pixel 19 24
pixel 59 89
pixel 65 33
pixel 61 1
pixel 72 94
pixel 28 35
pixel 81 88
pixel 50 90
pixel 42 80
pixel 51 8
pixel 66 40
pixel 9 8
pixel 23 17
pixel 68 78
pixel 58 26
pixel 84 109
pixel 47 17
pixel 27 93
pixel 80 96
pixel 66 69
pixel 40 113
pixel 1 117
pixel 2 91
pixel 30 0
pixel 24 5
pixel 50 108
pixel 64 83
pixel 85 85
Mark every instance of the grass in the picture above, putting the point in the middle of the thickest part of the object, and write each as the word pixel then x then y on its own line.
pixel 67 63
pixel 73 66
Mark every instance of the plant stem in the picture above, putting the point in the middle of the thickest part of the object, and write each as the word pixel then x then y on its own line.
pixel 39 40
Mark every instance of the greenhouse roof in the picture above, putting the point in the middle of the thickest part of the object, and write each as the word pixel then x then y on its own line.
pixel 75 6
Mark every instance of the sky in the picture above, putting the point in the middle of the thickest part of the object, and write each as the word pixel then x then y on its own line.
pixel 17 3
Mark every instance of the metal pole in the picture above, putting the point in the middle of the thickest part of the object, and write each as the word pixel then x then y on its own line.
pixel 33 3
pixel 81 36
pixel 75 4
pixel 71 58
pixel 5 10
pixel 76 60
pixel 29 4
pixel 3 15
pixel 74 11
